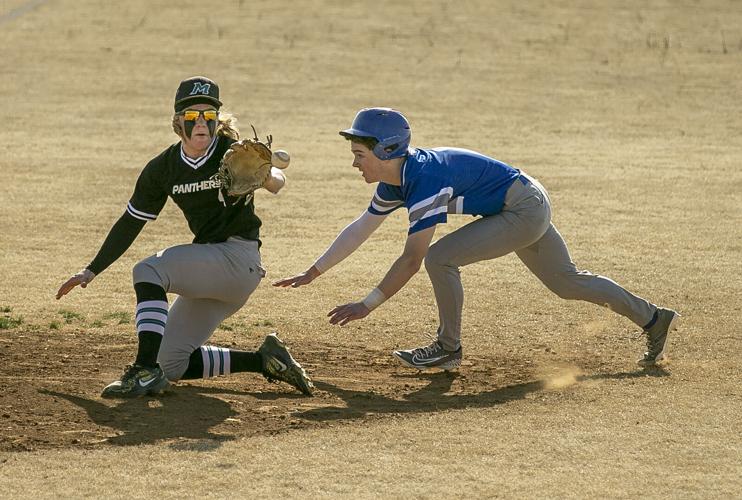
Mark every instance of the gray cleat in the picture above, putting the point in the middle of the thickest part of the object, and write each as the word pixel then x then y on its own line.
pixel 279 365
pixel 657 336
pixel 137 381
pixel 430 356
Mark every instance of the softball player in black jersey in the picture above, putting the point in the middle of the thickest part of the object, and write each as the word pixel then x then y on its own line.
pixel 213 276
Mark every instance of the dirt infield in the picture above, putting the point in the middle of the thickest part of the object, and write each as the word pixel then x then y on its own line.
pixel 51 411
pixel 44 406
pixel 630 116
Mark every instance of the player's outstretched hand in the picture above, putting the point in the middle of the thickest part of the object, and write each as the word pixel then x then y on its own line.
pixel 82 278
pixel 342 315
pixel 300 279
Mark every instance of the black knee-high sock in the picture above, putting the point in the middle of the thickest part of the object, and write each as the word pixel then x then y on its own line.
pixel 151 318
pixel 210 361
pixel 653 320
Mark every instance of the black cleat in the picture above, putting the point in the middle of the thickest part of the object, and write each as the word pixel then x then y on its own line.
pixel 657 336
pixel 430 356
pixel 137 381
pixel 279 365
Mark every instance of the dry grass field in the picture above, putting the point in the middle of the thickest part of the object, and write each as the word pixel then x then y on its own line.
pixel 629 113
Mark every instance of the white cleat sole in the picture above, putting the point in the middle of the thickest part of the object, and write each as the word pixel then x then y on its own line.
pixel 451 365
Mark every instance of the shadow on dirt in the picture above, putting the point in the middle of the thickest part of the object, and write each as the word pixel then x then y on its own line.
pixel 650 371
pixel 430 398
pixel 433 397
pixel 183 414
pixel 188 416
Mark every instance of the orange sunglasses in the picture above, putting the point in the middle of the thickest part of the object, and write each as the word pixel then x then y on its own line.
pixel 191 115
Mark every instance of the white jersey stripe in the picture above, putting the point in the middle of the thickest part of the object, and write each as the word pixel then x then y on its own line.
pixel 456 205
pixel 138 214
pixel 388 207
pixel 384 203
pixel 447 192
pixel 434 203
pixel 430 213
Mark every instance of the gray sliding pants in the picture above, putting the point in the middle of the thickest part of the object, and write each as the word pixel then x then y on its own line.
pixel 524 227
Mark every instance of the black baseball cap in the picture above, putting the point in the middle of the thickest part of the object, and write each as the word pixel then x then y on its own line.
pixel 196 90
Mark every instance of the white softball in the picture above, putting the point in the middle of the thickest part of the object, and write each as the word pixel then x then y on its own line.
pixel 280 159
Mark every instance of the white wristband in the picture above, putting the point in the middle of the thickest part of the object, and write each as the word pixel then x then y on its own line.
pixel 374 299
pixel 87 276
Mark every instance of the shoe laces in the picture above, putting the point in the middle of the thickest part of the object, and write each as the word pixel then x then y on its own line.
pixel 130 372
pixel 429 349
pixel 653 342
pixel 131 368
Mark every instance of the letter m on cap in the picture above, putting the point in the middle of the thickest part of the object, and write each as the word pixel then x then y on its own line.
pixel 200 88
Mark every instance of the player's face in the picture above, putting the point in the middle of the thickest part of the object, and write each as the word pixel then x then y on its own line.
pixel 366 161
pixel 198 123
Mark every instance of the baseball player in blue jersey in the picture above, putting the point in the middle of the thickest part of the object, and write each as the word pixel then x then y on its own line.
pixel 213 276
pixel 515 216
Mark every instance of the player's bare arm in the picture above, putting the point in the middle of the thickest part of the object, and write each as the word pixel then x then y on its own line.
pixel 404 268
pixel 300 279
pixel 345 244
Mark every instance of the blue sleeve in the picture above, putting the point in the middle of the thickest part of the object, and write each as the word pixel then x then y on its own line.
pixel 386 200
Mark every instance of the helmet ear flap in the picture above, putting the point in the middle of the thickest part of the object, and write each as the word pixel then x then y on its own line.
pixel 382 152
pixel 394 146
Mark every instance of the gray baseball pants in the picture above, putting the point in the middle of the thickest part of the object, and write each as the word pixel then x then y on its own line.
pixel 212 281
pixel 524 227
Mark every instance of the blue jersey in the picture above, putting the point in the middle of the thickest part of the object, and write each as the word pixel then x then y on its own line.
pixel 441 181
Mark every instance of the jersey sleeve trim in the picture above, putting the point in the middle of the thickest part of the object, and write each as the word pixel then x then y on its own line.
pixel 138 214
pixel 383 206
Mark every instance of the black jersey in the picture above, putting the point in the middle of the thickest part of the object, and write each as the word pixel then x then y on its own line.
pixel 191 185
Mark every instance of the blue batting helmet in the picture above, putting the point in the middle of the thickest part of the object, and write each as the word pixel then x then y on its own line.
pixel 386 125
